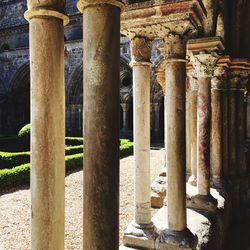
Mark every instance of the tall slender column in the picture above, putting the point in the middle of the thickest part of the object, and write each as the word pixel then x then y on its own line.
pixel 248 116
pixel 141 54
pixel 241 126
pixel 175 74
pixel 232 125
pixel 193 129
pixel 157 120
pixel 125 109
pixel 46 20
pixel 241 143
pixel 101 45
pixel 204 55
pixel 188 127
pixel 225 153
pixel 216 127
pixel 204 65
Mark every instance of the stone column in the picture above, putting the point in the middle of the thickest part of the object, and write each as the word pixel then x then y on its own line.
pixel 204 55
pixel 232 139
pixel 101 60
pixel 188 128
pixel 241 144
pixel 193 129
pixel 248 116
pixel 177 232
pixel 216 127
pixel 157 120
pixel 225 153
pixel 46 20
pixel 125 109
pixel 241 126
pixel 142 225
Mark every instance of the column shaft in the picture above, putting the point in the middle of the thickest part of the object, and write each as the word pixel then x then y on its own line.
pixel 216 130
pixel 248 116
pixel 241 132
pixel 101 126
pixel 47 133
pixel 225 135
pixel 232 132
pixel 157 120
pixel 188 127
pixel 175 145
pixel 203 135
pixel 141 79
pixel 193 131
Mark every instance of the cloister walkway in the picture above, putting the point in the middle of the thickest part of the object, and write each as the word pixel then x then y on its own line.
pixel 15 207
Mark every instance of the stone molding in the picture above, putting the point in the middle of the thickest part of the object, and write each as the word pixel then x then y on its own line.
pixel 83 4
pixel 141 50
pixel 45 12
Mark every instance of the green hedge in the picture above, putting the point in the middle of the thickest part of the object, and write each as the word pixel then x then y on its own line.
pixel 10 160
pixel 74 150
pixel 20 175
pixel 74 141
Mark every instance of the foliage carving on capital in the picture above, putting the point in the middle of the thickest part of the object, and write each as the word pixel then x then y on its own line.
pixel 141 49
pixel 204 64
pixel 174 46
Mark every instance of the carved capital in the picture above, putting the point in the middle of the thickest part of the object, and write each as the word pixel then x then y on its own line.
pixel 160 77
pixel 174 46
pixel 83 4
pixel 125 107
pixel 204 64
pixel 141 49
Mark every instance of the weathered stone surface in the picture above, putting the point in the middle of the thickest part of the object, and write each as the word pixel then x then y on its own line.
pixel 138 237
pixel 101 127
pixel 156 200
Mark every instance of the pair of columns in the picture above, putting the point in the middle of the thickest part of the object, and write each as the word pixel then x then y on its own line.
pixel 101 125
pixel 175 74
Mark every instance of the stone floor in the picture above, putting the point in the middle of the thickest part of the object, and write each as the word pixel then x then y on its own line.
pixel 15 207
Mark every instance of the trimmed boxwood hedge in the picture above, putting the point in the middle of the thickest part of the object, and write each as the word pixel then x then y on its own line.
pixel 74 141
pixel 20 175
pixel 10 160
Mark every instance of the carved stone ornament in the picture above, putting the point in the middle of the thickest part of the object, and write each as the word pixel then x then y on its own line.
pixel 174 46
pixel 204 64
pixel 141 49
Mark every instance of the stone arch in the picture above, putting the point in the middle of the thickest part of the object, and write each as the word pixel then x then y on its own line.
pixel 74 95
pixel 17 102
pixel 220 25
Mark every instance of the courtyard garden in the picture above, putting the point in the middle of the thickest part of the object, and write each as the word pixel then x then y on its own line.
pixel 15 157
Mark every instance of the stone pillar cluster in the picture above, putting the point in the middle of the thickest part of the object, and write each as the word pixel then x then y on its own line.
pixel 211 108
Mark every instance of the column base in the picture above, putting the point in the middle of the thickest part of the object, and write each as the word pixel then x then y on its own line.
pixel 140 236
pixel 192 180
pixel 169 239
pixel 220 186
pixel 203 202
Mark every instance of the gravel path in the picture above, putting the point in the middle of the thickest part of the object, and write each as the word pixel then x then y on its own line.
pixel 15 207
